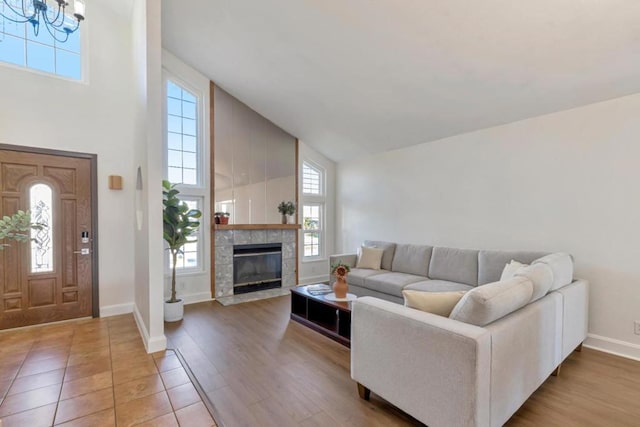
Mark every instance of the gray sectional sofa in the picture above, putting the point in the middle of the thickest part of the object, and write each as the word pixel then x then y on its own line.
pixel 480 364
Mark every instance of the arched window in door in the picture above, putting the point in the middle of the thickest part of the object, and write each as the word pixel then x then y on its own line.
pixel 41 205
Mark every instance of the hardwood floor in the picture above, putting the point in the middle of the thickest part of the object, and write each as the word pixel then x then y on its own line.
pixel 93 373
pixel 260 369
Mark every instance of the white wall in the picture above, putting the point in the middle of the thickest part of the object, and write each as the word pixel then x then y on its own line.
pixel 562 182
pixel 147 154
pixel 318 270
pixel 94 117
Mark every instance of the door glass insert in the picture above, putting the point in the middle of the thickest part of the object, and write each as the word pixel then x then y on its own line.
pixel 41 198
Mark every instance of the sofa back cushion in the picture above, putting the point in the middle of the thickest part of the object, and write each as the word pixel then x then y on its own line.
pixel 485 304
pixel 388 249
pixel 412 259
pixel 491 263
pixel 561 265
pixel 455 265
pixel 541 277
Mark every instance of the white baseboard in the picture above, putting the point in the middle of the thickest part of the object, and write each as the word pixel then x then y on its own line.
pixel 613 346
pixel 197 297
pixel 115 310
pixel 152 344
pixel 313 279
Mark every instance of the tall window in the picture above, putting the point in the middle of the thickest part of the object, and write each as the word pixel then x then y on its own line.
pixel 182 135
pixel 190 256
pixel 183 163
pixel 311 179
pixel 20 46
pixel 313 202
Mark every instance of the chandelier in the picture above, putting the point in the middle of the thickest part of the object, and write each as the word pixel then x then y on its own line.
pixel 51 13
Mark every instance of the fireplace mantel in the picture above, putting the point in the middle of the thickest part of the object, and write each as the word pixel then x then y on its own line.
pixel 257 226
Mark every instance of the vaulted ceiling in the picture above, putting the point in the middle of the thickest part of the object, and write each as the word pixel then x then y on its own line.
pixel 362 76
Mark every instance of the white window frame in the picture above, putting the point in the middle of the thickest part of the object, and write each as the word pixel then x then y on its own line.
pixel 314 200
pixel 84 59
pixel 318 169
pixel 319 231
pixel 188 191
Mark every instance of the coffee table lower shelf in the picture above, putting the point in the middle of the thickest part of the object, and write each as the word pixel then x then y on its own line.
pixel 331 319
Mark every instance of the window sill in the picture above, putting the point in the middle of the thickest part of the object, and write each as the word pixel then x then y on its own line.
pixel 187 273
pixel 312 260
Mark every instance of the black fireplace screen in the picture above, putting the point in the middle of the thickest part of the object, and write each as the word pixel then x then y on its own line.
pixel 257 267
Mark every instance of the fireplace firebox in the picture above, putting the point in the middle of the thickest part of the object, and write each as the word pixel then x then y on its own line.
pixel 257 267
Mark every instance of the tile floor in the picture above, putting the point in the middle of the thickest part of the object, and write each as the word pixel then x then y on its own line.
pixel 93 373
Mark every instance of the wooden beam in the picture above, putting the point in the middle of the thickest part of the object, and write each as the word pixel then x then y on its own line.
pixel 212 171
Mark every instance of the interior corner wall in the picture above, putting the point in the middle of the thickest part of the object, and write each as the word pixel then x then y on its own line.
pixel 96 116
pixel 562 182
pixel 318 270
pixel 147 67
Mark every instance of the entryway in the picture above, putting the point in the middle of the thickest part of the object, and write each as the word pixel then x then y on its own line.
pixel 53 278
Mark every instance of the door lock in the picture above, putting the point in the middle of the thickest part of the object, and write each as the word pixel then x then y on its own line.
pixel 83 251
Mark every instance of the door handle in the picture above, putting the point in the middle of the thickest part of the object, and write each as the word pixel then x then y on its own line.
pixel 83 251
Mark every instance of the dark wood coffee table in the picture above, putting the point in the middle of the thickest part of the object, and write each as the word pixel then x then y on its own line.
pixel 330 318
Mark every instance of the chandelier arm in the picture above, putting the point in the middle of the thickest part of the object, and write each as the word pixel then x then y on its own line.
pixel 13 20
pixel 18 13
pixel 53 22
pixel 55 31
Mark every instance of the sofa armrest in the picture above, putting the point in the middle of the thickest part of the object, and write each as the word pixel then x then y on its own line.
pixel 348 259
pixel 432 367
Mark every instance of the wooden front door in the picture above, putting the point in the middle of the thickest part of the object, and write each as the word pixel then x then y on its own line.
pixel 50 279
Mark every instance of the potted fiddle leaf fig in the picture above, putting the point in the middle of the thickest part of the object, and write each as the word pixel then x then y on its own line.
pixel 180 225
pixel 17 227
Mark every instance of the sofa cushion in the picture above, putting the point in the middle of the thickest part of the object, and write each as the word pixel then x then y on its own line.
pixel 391 283
pixel 357 275
pixel 455 265
pixel 541 277
pixel 438 286
pixel 562 266
pixel 491 263
pixel 369 257
pixel 440 303
pixel 412 259
pixel 511 269
pixel 485 304
pixel 389 249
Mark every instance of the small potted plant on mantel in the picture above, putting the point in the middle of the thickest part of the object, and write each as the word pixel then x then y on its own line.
pixel 221 218
pixel 287 209
pixel 179 227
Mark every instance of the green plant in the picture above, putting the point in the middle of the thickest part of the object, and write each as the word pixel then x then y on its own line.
pixel 179 226
pixel 340 268
pixel 17 227
pixel 287 208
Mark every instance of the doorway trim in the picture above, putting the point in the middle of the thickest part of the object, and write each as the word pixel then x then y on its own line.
pixel 93 159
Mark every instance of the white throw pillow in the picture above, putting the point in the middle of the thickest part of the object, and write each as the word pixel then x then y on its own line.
pixel 370 258
pixel 511 269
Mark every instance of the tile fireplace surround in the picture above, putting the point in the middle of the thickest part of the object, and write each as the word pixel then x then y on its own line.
pixel 225 239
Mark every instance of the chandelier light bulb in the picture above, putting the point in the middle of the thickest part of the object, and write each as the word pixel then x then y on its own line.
pixel 78 9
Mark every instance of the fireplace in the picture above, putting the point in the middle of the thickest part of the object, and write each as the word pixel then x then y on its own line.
pixel 257 267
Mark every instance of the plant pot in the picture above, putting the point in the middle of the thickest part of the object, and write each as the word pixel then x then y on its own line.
pixel 224 220
pixel 173 311
pixel 284 219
